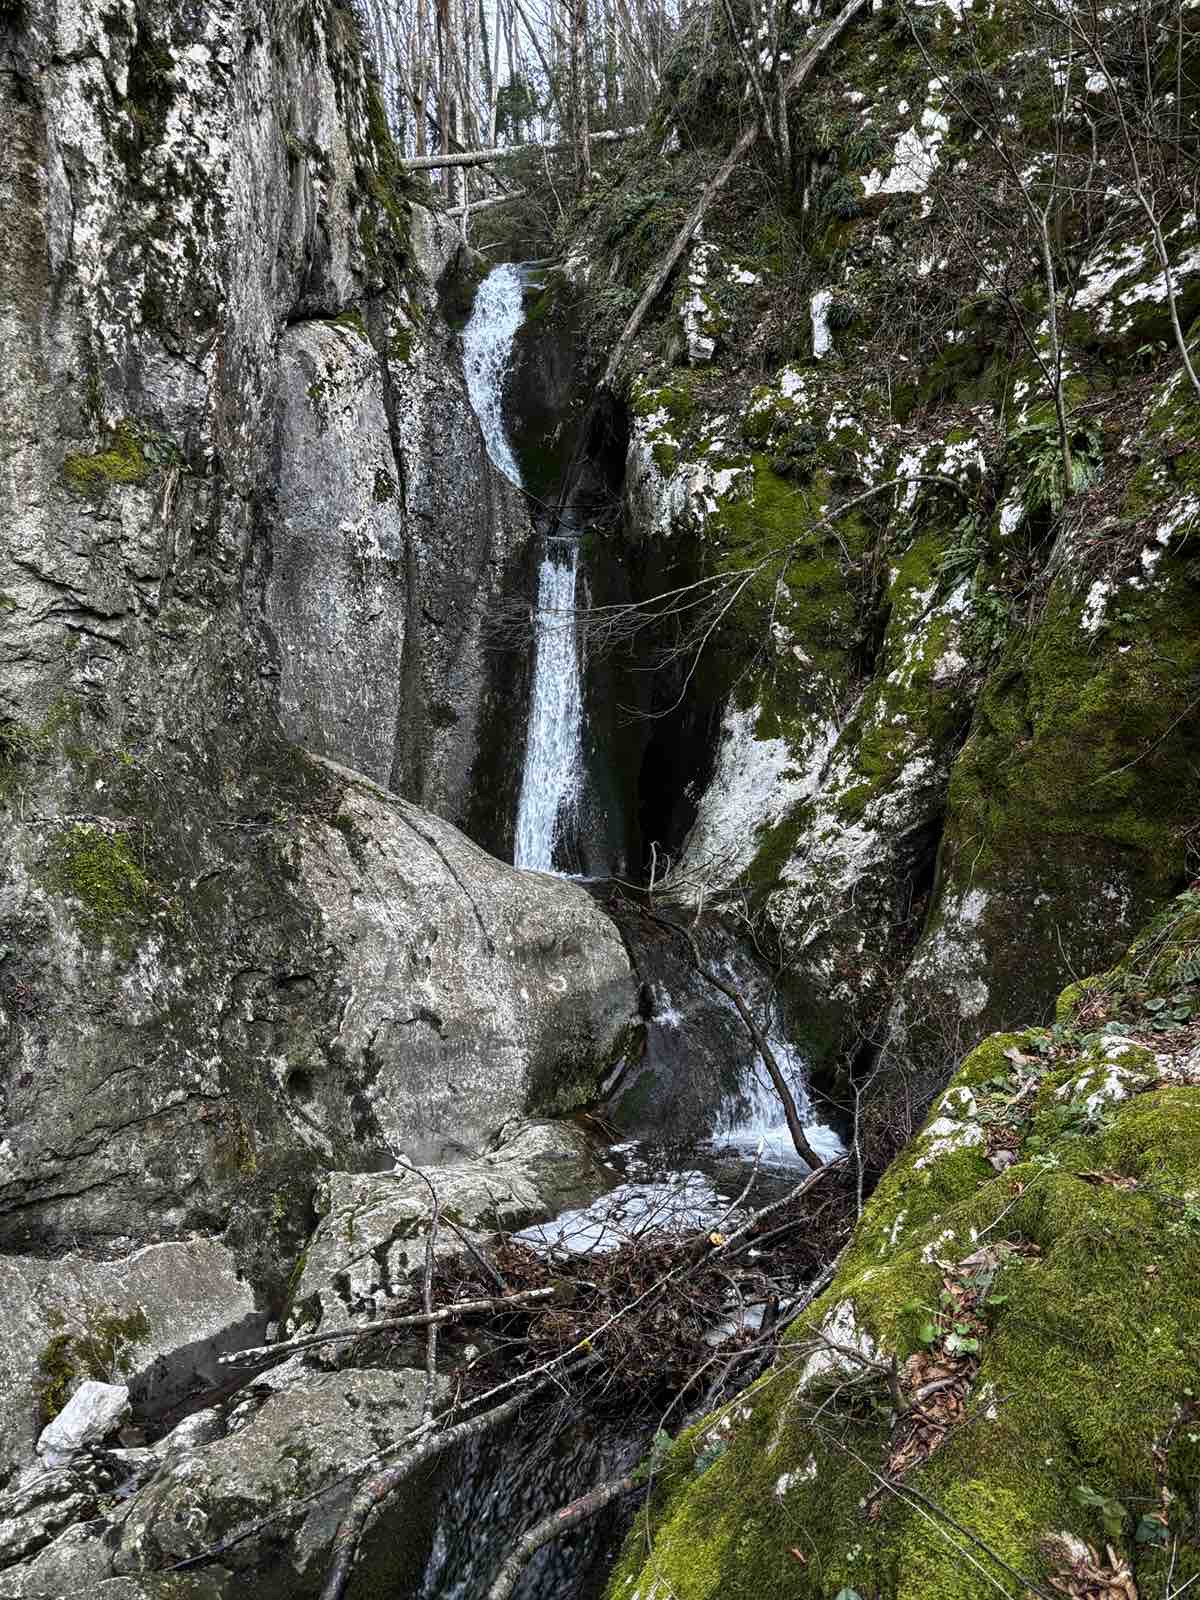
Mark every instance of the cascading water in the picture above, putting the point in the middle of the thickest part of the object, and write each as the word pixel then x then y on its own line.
pixel 487 349
pixel 554 743
pixel 757 1113
pixel 550 781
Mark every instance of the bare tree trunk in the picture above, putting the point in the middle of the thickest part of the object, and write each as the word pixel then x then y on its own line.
pixel 579 92
pixel 1060 404
pixel 610 63
pixel 421 79
pixel 783 136
pixel 443 90
pixel 492 200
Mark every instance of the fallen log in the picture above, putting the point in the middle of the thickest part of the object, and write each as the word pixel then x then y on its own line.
pixel 479 158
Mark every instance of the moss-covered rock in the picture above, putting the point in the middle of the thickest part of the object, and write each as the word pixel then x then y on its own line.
pixel 1036 1250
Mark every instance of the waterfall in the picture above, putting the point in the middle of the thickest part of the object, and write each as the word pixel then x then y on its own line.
pixel 550 782
pixel 487 346
pixel 756 1112
pixel 554 744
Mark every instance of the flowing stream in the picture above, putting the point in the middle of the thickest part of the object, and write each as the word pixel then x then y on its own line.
pixel 551 777
pixel 487 349
pixel 498 1484
pixel 756 1117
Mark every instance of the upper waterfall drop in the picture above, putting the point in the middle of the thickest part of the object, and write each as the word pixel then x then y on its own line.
pixel 487 348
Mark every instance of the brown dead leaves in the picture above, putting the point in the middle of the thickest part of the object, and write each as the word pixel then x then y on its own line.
pixel 1081 1573
pixel 938 1388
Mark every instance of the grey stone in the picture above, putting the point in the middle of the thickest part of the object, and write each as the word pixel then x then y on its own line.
pixel 369 1246
pixel 319 1432
pixel 93 1412
pixel 79 1318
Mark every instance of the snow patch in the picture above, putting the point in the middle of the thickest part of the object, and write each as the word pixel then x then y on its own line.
pixel 822 340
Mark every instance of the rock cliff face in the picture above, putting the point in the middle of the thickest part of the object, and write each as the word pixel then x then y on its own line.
pixel 248 524
pixel 928 737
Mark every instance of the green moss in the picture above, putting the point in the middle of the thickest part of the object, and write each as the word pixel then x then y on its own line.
pixel 109 890
pixel 1088 1350
pixel 1075 780
pixel 351 319
pixel 122 463
pixel 385 487
pixel 98 1342
pixel 383 224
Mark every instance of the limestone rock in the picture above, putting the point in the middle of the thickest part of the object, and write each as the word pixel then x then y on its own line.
pixel 157 1316
pixel 281 1447
pixel 93 1412
pixel 534 1173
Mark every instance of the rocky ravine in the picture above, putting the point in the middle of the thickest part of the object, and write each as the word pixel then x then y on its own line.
pixel 942 749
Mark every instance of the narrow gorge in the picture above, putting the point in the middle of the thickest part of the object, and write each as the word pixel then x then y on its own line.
pixel 599 772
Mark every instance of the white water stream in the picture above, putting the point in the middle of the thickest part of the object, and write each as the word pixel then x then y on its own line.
pixel 760 1118
pixel 554 743
pixel 487 349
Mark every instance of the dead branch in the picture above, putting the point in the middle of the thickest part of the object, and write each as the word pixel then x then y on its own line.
pixel 487 204
pixel 478 158
pixel 414 1319
pixel 377 1490
pixel 549 1528
pixel 761 1043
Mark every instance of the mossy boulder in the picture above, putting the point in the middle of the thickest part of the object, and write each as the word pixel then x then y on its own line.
pixel 1037 1250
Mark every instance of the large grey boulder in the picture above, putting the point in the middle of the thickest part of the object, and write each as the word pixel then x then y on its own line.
pixel 291 1453
pixel 477 992
pixel 363 982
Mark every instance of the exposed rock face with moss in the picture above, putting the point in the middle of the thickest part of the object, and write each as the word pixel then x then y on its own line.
pixel 1033 1255
pixel 283 1447
pixel 953 718
pixel 249 522
pixel 931 745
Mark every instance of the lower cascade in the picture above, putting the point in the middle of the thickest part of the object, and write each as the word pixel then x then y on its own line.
pixel 550 781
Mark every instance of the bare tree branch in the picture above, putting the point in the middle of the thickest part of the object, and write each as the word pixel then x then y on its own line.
pixel 549 1528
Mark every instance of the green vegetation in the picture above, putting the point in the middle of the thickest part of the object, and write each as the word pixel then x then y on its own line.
pixel 110 893
pixel 1042 1239
pixel 352 319
pixel 123 462
pixel 99 1343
